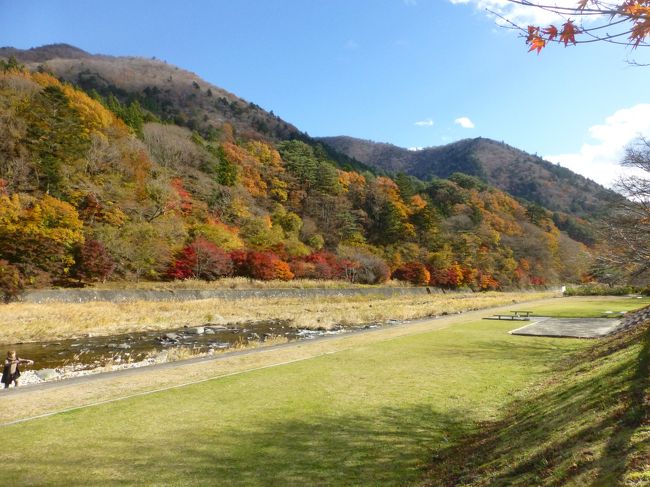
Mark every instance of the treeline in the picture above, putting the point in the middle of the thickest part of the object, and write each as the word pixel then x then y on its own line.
pixel 94 189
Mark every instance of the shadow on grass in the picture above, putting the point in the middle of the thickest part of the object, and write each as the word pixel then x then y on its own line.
pixel 385 448
pixel 616 452
pixel 390 446
pixel 579 430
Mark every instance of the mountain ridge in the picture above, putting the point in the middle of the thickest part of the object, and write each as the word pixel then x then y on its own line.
pixel 171 93
pixel 513 170
pixel 184 98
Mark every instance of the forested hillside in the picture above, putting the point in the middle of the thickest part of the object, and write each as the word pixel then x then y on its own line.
pixel 95 186
pixel 518 173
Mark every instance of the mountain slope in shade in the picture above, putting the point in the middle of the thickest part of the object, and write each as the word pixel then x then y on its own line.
pixel 515 171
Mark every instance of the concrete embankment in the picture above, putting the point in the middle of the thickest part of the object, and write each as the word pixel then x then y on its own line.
pixel 116 296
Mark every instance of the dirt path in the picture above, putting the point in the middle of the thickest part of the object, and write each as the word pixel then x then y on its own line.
pixel 35 401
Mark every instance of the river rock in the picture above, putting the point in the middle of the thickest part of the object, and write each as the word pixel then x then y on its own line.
pixel 170 336
pixel 46 374
pixel 196 330
pixel 124 346
pixel 214 326
pixel 209 331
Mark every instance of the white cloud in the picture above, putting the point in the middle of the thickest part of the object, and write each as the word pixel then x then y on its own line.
pixel 599 161
pixel 415 149
pixel 464 122
pixel 424 123
pixel 519 14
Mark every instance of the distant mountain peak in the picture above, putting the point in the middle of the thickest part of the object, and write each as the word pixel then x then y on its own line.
pixel 44 53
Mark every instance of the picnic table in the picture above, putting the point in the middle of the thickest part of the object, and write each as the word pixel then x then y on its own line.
pixel 515 316
pixel 523 313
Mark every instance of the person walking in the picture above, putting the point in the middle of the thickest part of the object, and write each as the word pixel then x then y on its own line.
pixel 11 371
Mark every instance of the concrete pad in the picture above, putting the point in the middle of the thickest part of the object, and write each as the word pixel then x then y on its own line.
pixel 569 327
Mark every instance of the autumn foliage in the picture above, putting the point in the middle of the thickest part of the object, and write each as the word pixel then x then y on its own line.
pixel 413 272
pixel 92 262
pixel 265 266
pixel 201 260
pixel 623 22
pixel 11 282
pixel 85 197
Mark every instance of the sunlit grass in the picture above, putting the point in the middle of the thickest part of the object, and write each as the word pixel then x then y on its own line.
pixel 369 413
pixel 587 425
pixel 589 306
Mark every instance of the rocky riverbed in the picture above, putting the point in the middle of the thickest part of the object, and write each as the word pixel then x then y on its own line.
pixel 93 355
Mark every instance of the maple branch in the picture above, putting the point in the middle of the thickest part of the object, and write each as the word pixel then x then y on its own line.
pixel 635 13
pixel 571 10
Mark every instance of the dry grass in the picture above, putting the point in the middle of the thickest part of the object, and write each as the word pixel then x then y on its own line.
pixel 25 322
pixel 239 283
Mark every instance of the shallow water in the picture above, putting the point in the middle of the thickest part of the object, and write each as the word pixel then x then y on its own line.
pixel 92 352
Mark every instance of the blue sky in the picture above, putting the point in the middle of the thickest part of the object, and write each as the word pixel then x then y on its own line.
pixel 398 71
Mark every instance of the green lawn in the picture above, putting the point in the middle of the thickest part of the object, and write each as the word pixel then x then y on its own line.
pixel 377 414
pixel 587 426
pixel 587 306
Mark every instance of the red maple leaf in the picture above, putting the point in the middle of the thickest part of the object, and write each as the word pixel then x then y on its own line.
pixel 568 34
pixel 537 44
pixel 551 32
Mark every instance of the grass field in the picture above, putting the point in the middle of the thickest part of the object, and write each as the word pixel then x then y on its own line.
pixel 376 413
pixel 591 306
pixel 587 425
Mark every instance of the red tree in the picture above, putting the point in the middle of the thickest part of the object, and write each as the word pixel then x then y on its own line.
pixel 92 262
pixel 413 272
pixel 202 260
pixel 267 266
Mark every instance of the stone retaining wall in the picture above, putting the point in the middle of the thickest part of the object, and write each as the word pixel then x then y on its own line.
pixel 634 319
pixel 117 296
